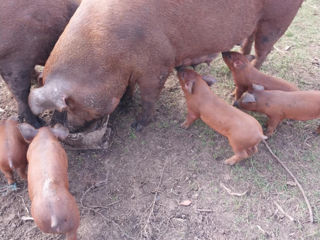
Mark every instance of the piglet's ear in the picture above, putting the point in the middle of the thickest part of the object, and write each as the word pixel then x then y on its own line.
pixel 238 64
pixel 189 86
pixel 60 131
pixel 248 98
pixel 27 131
pixel 209 79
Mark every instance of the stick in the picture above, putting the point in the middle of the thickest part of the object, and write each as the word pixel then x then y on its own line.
pixel 25 206
pixel 263 231
pixel 204 210
pixel 233 193
pixel 294 178
pixel 154 199
pixel 286 214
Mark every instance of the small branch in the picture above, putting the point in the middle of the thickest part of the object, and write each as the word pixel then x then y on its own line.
pixel 98 184
pixel 295 179
pixel 233 193
pixel 204 210
pixel 154 199
pixel 263 231
pixel 286 214
pixel 25 218
pixel 24 204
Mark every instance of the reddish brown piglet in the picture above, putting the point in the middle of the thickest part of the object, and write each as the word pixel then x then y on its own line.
pixel 245 74
pixel 243 131
pixel 13 150
pixel 280 105
pixel 53 208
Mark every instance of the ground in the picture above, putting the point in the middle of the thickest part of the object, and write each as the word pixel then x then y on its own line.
pixel 168 183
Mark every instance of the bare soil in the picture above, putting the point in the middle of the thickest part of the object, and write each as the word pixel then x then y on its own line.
pixel 139 187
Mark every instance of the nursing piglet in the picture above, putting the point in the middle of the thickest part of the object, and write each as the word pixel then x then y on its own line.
pixel 245 74
pixel 53 208
pixel 13 150
pixel 243 131
pixel 280 105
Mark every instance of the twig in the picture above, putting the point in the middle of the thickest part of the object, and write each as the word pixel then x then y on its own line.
pixel 106 206
pixel 294 178
pixel 279 50
pixel 25 206
pixel 91 208
pixel 154 199
pixel 263 231
pixel 26 218
pixel 286 214
pixel 90 188
pixel 233 193
pixel 204 210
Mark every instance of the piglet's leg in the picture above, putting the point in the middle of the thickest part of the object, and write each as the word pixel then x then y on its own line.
pixel 191 117
pixel 239 91
pixel 237 157
pixel 71 235
pixel 273 122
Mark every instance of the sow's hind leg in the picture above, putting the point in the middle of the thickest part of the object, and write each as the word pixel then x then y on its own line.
pixel 272 26
pixel 18 79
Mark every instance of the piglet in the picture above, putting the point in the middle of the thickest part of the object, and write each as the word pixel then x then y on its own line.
pixel 13 150
pixel 53 208
pixel 243 131
pixel 280 105
pixel 245 74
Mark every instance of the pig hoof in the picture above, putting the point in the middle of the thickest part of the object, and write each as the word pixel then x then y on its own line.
pixel 137 126
pixel 229 162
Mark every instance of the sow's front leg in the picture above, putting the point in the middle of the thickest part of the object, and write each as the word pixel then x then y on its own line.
pixel 18 82
pixel 150 88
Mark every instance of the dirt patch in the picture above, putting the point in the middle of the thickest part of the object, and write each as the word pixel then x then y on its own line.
pixel 135 189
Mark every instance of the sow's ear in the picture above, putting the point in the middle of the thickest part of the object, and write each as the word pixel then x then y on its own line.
pixel 248 98
pixel 27 131
pixel 189 86
pixel 43 98
pixel 60 131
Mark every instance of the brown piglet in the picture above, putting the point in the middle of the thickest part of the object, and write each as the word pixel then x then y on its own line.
pixel 53 208
pixel 245 74
pixel 243 131
pixel 13 150
pixel 280 105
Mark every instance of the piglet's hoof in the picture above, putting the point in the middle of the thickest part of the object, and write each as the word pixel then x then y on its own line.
pixel 229 161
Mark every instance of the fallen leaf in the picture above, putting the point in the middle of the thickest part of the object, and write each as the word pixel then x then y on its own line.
pixel 185 203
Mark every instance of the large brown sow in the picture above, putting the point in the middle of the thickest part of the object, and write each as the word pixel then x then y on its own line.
pixel 110 45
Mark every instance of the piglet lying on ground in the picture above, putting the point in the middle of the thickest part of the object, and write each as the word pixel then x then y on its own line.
pixel 13 150
pixel 243 131
pixel 245 74
pixel 279 105
pixel 53 208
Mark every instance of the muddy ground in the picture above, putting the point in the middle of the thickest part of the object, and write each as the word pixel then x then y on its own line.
pixel 138 188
